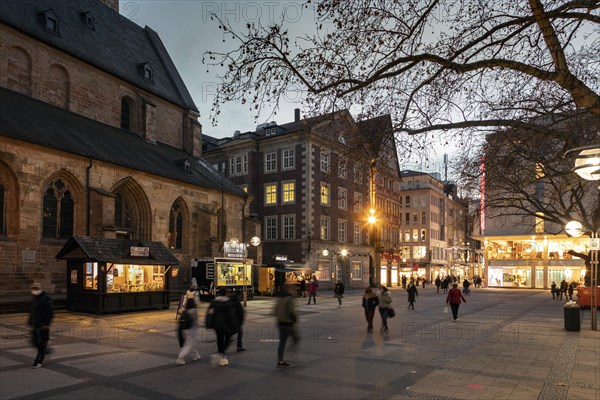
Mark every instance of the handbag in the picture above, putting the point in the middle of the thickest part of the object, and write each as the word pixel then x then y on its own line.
pixel 446 310
pixel 391 313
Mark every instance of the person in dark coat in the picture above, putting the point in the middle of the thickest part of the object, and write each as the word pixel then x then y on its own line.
pixel 240 314
pixel 225 324
pixel 412 294
pixel 454 299
pixel 40 317
pixel 438 283
pixel 553 290
pixel 563 289
pixel 370 301
pixel 285 313
pixel 339 292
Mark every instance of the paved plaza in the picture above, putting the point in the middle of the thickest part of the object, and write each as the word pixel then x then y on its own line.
pixel 506 344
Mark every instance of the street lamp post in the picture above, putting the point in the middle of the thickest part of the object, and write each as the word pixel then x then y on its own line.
pixel 587 166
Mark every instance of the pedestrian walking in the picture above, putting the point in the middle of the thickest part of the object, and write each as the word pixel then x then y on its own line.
pixel 339 292
pixel 188 328
pixel 563 289
pixel 240 315
pixel 412 294
pixel 285 313
pixel 466 284
pixel 553 290
pixel 312 291
pixel 454 299
pixel 404 281
pixel 224 322
pixel 385 299
pixel 571 289
pixel 302 285
pixel 40 317
pixel 438 283
pixel 369 303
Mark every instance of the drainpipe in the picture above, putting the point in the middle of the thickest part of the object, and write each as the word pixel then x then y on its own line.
pixel 87 197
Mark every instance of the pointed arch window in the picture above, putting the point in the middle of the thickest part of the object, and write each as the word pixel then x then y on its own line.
pixel 176 227
pixel 58 211
pixel 123 214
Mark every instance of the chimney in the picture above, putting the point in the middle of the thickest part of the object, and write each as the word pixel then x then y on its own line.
pixel 114 4
pixel 296 115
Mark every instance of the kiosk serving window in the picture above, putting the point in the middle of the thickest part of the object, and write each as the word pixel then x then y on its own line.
pixel 91 275
pixel 135 278
pixel 232 273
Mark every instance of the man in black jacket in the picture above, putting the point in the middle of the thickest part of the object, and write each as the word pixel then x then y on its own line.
pixel 40 318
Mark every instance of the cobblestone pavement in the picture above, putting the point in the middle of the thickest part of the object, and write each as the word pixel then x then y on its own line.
pixel 506 344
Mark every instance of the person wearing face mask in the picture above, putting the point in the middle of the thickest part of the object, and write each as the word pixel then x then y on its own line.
pixel 40 317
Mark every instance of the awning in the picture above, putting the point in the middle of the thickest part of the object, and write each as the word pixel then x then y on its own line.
pixel 287 267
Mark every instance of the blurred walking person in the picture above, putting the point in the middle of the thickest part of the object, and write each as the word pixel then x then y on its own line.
pixel 40 317
pixel 285 313
pixel 312 291
pixel 224 322
pixel 339 292
pixel 188 328
pixel 369 303
pixel 454 299
pixel 412 294
pixel 385 299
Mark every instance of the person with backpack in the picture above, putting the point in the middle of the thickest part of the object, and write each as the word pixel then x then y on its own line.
pixel 188 328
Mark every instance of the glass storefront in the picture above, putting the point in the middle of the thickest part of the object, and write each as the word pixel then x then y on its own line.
pixel 133 278
pixel 509 276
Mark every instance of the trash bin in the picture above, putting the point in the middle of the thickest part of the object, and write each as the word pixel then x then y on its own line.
pixel 572 317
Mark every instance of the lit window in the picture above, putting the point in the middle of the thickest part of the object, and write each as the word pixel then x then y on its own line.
pixel 90 276
pixel 244 188
pixel 289 192
pixel 271 194
pixel 325 195
pixel 271 162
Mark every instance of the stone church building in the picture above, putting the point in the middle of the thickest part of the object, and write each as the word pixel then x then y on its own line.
pixel 100 137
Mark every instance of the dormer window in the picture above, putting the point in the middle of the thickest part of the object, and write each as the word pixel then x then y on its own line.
pixel 88 18
pixel 51 21
pixel 147 71
pixel 271 131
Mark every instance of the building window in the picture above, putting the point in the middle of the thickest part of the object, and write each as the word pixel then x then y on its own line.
pixel 357 233
pixel 423 217
pixel 407 218
pixel 358 177
pixel 90 276
pixel 415 235
pixel 415 218
pixel 423 235
pixel 125 114
pixel 288 226
pixel 343 168
pixel 271 194
pixel 2 218
pixel 51 21
pixel 325 194
pixel 325 228
pixel 176 227
pixel 342 230
pixel 407 202
pixel 58 207
pixel 289 192
pixel 270 131
pixel 407 236
pixel 358 202
pixel 357 270
pixel 238 165
pixel 288 158
pixel 325 160
pixel 148 72
pixel 271 162
pixel 271 228
pixel 342 202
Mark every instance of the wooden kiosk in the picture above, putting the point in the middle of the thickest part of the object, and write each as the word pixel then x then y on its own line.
pixel 115 275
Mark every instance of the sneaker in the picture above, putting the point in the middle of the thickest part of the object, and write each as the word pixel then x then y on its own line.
pixel 241 349
pixel 180 361
pixel 214 360
pixel 282 364
pixel 385 329
pixel 36 365
pixel 223 362
pixel 196 357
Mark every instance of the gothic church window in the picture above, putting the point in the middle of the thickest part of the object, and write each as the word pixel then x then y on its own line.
pixel 176 227
pixel 58 211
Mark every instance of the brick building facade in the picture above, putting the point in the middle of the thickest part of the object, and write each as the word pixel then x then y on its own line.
pixel 99 136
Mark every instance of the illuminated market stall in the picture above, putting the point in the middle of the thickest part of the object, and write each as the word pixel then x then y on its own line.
pixel 114 275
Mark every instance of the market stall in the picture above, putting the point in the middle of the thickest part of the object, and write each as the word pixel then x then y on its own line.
pixel 115 275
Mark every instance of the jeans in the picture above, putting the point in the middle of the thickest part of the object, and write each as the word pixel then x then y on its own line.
pixel 312 296
pixel 223 341
pixel 286 330
pixel 384 316
pixel 40 337
pixel 454 308
pixel 369 314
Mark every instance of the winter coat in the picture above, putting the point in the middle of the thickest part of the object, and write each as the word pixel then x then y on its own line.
pixel 42 311
pixel 285 310
pixel 225 317
pixel 412 292
pixel 370 302
pixel 455 296
pixel 339 288
pixel 385 299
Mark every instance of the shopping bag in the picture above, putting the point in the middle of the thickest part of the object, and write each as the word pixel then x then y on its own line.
pixel 446 310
